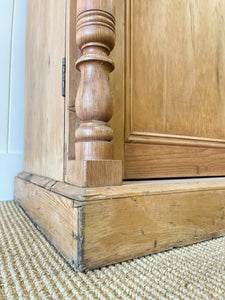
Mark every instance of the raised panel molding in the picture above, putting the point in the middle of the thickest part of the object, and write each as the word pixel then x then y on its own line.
pixel 132 135
pixel 169 139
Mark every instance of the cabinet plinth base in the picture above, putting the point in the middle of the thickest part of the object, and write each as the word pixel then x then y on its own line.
pixel 94 227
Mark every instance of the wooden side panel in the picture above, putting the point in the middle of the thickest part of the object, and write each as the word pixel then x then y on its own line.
pixel 53 213
pixel 44 105
pixel 120 229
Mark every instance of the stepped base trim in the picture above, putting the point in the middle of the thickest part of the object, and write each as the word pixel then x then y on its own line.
pixel 94 227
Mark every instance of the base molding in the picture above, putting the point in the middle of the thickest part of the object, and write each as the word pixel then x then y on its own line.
pixel 94 227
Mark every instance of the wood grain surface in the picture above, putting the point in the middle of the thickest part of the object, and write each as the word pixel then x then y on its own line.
pixel 72 79
pixel 54 214
pixel 174 90
pixel 95 36
pixel 44 104
pixel 166 161
pixel 94 173
pixel 177 69
pixel 94 227
pixel 116 80
pixel 139 225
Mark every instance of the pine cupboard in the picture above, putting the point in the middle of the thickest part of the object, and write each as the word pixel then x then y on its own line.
pixel 124 133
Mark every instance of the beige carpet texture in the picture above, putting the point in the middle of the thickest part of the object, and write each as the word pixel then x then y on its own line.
pixel 30 268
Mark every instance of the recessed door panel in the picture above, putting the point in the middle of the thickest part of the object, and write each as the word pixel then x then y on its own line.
pixel 175 91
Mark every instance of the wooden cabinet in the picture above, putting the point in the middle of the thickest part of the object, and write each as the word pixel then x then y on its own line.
pixel 143 98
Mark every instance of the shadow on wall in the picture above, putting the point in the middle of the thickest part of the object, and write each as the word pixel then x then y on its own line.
pixel 12 61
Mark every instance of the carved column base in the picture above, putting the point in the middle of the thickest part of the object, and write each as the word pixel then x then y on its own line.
pixel 94 150
pixel 93 173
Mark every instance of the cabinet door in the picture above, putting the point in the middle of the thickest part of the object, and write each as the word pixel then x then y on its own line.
pixel 44 104
pixel 175 88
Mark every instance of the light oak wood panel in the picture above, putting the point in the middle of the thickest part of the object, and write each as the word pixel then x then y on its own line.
pixel 177 70
pixel 54 214
pixel 44 105
pixel 174 90
pixel 163 161
pixel 132 227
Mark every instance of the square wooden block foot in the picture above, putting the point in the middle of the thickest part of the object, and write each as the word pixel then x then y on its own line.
pixel 90 173
pixel 94 227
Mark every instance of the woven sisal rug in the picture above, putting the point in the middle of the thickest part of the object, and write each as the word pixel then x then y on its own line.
pixel 30 268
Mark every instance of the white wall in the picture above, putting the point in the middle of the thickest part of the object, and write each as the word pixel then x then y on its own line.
pixel 12 62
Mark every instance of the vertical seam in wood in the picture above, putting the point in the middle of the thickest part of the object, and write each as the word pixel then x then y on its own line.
pixel 80 262
pixel 64 99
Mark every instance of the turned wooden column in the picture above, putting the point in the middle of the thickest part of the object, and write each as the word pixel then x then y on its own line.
pixel 95 36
